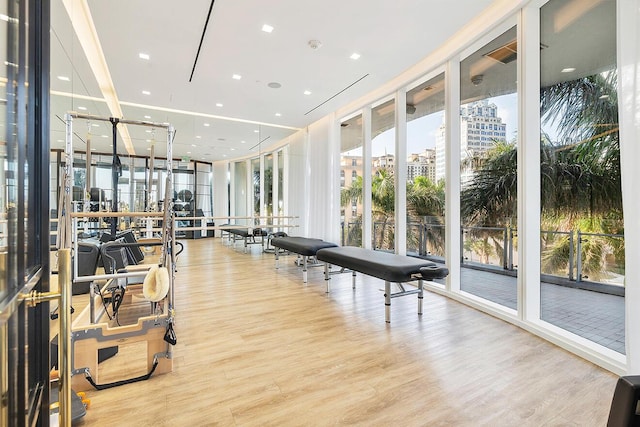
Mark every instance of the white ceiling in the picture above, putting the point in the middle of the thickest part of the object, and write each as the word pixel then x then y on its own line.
pixel 390 36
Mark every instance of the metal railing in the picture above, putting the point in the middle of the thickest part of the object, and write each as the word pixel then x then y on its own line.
pixel 496 247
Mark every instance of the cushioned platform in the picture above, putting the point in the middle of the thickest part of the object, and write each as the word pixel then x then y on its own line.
pixel 301 245
pixel 383 265
pixel 434 272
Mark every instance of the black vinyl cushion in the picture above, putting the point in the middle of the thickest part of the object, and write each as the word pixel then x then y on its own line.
pixel 625 403
pixel 301 245
pixel 383 265
pixel 434 272
pixel 242 232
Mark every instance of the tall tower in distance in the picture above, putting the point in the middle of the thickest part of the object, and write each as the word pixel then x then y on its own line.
pixel 480 128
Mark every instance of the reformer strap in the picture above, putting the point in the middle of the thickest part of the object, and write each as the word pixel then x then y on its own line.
pixel 122 382
pixel 170 335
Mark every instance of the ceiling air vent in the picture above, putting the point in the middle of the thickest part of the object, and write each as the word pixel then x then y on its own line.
pixel 505 54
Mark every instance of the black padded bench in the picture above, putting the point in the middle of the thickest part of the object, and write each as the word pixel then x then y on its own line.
pixel 383 265
pixel 248 235
pixel 303 246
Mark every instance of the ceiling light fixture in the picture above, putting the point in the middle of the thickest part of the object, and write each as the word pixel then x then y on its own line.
pixel 64 78
pixel 147 117
pixel 82 108
pixel 206 125
pixel 278 115
pixel 314 44
pixel 256 131
pixel 144 56
pixel 198 137
pixel 219 105
pixel 146 92
pixel 267 28
pixel 236 77
pixel 355 55
pixel 568 70
pixel 477 79
pixel 307 92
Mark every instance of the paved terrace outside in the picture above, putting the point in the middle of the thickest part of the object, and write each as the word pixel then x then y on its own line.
pixel 596 316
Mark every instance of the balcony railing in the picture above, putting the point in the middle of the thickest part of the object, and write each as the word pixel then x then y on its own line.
pixel 573 256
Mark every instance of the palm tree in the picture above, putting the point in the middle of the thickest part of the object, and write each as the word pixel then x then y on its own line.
pixel 580 175
pixel 425 204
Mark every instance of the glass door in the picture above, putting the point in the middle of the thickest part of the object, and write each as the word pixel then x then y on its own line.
pixel 24 229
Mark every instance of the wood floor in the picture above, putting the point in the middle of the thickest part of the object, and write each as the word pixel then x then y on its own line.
pixel 258 347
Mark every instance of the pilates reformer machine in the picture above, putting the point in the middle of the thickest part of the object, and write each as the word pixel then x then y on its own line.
pixel 144 292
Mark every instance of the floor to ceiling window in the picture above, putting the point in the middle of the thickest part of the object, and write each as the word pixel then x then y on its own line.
pixel 425 183
pixel 383 136
pixel 488 172
pixel 582 242
pixel 351 189
pixel 255 176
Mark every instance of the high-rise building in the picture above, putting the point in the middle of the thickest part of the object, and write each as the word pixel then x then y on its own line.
pixel 422 164
pixel 480 128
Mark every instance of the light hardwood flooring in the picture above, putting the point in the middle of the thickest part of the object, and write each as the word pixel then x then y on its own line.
pixel 256 346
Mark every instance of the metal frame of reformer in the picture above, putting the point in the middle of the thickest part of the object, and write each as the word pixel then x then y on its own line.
pixel 88 334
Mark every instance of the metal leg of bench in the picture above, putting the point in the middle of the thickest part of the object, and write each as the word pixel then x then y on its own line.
pixel 245 245
pixel 353 280
pixel 420 296
pixel 387 301
pixel 277 259
pixel 326 275
pixel 304 269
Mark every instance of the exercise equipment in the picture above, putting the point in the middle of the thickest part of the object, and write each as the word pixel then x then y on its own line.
pixel 302 246
pixel 383 265
pixel 98 326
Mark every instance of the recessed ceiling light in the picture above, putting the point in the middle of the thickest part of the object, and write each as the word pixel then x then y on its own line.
pixel 568 70
pixel 82 108
pixel 64 78
pixel 243 142
pixel 105 136
pixel 219 105
pixel 146 92
pixel 355 55
pixel 147 117
pixel 224 155
pixel 148 131
pixel 207 125
pixel 198 137
pixel 95 125
pixel 193 145
pixel 307 92
pixel 148 148
pixel 148 140
pixel 143 56
pixel 233 149
pixel 267 28
pixel 236 77
pixel 93 149
pixel 256 131
pixel 188 152
pixel 278 114
pixel 60 140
